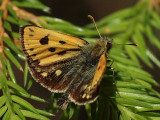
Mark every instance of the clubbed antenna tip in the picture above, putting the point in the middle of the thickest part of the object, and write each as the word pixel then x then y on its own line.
pixel 128 44
pixel 91 17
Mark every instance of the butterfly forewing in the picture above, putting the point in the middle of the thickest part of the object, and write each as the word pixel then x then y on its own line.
pixel 41 36
pixel 48 46
pixel 49 55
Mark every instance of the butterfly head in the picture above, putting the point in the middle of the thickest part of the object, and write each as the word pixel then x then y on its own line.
pixel 107 44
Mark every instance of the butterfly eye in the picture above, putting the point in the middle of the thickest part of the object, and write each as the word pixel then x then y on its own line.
pixel 108 46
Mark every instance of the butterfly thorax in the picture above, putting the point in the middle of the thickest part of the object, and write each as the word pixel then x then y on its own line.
pixel 91 53
pixel 98 48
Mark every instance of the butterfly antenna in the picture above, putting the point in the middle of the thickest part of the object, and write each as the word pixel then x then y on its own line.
pixel 126 44
pixel 91 17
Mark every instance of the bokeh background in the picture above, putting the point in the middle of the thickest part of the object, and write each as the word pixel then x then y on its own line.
pixel 76 11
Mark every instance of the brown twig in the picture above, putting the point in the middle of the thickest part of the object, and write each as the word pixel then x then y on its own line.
pixel 155 4
pixel 24 15
pixel 3 7
pixel 1 65
pixel 1 41
pixel 1 36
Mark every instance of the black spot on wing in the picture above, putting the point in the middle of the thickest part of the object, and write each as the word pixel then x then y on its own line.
pixel 52 49
pixel 31 30
pixel 31 49
pixel 31 35
pixel 36 61
pixel 44 40
pixel 99 68
pixel 62 42
pixel 62 53
pixel 34 54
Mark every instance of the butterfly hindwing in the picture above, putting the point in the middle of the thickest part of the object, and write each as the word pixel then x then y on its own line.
pixel 53 77
pixel 85 84
pixel 88 92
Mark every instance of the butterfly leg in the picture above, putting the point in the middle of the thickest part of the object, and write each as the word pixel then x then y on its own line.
pixel 112 61
pixel 109 67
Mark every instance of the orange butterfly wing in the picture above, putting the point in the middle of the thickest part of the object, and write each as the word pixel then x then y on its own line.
pixel 45 45
pixel 49 55
pixel 89 92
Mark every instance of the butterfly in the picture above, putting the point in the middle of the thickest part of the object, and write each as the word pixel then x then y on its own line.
pixel 65 64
